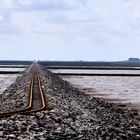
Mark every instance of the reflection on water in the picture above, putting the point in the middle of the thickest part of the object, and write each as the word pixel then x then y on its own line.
pixel 12 69
pixel 96 71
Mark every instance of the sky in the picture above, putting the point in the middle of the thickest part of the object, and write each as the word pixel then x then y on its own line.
pixel 88 30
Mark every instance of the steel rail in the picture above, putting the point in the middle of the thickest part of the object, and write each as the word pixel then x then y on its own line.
pixel 29 107
pixel 42 101
pixel 29 104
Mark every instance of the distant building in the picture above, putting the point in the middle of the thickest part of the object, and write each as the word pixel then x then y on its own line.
pixel 134 59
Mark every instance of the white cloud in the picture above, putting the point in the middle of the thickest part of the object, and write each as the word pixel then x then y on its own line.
pixel 6 4
pixel 100 16
pixel 1 18
pixel 25 2
pixel 90 24
pixel 50 22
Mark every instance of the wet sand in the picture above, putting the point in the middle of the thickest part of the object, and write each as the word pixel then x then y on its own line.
pixel 119 90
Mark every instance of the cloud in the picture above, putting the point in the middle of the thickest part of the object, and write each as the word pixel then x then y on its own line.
pixel 61 24
pixel 1 18
pixel 6 4
pixel 42 5
pixel 90 17
pixel 24 2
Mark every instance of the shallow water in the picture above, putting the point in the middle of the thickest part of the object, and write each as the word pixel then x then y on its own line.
pixel 114 89
pixel 6 80
pixel 12 69
pixel 96 71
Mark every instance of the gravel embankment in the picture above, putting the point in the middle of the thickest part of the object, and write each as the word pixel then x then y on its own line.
pixel 71 115
pixel 15 97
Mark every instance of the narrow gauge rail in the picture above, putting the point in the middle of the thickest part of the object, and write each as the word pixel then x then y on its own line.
pixel 36 99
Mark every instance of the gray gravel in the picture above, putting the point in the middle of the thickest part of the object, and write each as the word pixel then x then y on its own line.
pixel 71 115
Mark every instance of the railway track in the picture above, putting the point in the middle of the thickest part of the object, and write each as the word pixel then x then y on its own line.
pixel 36 99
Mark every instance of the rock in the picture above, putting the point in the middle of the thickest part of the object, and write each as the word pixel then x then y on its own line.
pixel 135 129
pixel 107 138
pixel 12 136
pixel 10 121
pixel 72 115
pixel 1 133
pixel 3 122
pixel 1 128
pixel 58 130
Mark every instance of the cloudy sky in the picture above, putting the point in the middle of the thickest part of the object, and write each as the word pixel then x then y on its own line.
pixel 69 29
